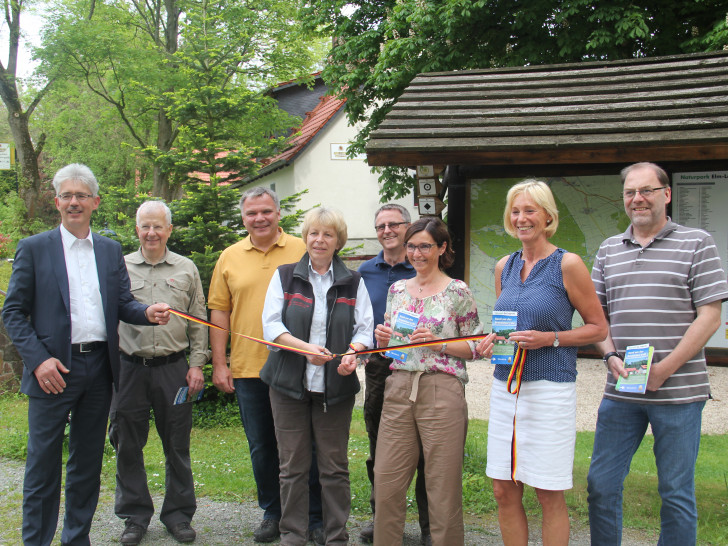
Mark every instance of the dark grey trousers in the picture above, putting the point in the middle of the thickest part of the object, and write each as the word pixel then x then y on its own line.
pixel 142 389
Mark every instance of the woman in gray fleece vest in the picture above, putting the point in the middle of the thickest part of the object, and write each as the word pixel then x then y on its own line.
pixel 322 308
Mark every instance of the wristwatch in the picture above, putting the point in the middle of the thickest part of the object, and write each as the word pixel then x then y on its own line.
pixel 556 339
pixel 444 346
pixel 610 355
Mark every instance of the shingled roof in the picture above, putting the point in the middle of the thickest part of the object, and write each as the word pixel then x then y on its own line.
pixel 326 108
pixel 659 108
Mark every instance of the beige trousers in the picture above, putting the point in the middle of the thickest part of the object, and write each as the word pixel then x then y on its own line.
pixel 428 410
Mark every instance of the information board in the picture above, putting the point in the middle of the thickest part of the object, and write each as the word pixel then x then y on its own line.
pixel 698 200
pixel 6 151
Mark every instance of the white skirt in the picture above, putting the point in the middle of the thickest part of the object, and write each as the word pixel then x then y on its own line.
pixel 545 433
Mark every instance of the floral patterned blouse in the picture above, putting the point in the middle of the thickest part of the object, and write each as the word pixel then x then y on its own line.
pixel 450 313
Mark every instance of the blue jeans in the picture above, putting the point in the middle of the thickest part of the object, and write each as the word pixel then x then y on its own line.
pixel 620 429
pixel 255 412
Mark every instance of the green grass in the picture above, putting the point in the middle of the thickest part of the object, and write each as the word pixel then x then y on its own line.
pixel 221 464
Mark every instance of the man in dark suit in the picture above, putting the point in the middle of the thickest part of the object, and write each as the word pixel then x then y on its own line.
pixel 68 290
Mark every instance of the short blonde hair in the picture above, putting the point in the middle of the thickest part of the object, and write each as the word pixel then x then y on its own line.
pixel 323 216
pixel 544 198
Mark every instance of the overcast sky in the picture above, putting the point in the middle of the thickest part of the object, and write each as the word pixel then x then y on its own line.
pixel 30 24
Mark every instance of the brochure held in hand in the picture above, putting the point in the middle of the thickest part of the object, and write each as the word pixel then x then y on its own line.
pixel 404 324
pixel 637 362
pixel 183 396
pixel 504 322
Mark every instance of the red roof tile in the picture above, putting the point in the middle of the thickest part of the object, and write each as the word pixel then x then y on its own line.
pixel 314 121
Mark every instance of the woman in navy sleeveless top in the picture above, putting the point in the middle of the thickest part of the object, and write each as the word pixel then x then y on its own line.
pixel 544 285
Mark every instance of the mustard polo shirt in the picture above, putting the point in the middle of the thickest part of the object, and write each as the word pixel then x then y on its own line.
pixel 239 284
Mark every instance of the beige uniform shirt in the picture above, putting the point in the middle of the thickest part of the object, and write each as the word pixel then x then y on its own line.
pixel 175 281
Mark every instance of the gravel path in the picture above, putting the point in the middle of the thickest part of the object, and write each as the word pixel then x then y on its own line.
pixel 222 523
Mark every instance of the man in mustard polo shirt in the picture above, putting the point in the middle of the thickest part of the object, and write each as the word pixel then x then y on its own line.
pixel 237 293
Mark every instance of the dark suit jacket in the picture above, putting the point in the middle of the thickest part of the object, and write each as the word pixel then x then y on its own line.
pixel 37 310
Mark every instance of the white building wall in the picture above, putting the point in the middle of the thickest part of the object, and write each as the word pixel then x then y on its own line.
pixel 347 185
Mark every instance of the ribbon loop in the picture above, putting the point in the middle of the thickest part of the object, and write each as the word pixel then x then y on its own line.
pixel 516 374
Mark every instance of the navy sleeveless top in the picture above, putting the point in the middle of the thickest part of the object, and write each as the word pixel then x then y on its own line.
pixel 542 304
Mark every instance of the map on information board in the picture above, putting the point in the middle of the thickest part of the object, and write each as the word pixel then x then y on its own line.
pixel 590 210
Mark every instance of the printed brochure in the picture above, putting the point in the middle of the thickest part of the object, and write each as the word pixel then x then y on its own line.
pixel 504 322
pixel 637 362
pixel 405 323
pixel 181 397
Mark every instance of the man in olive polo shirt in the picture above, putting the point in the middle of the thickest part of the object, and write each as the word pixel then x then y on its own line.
pixel 237 294
pixel 153 368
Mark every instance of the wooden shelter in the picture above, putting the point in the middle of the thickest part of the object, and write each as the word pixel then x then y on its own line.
pixel 662 109
pixel 581 119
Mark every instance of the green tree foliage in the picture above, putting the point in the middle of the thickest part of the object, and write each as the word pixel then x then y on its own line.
pixel 82 128
pixel 380 45
pixel 20 108
pixel 14 222
pixel 116 215
pixel 224 121
pixel 183 76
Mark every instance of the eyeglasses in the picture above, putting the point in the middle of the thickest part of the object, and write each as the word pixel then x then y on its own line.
pixel 424 248
pixel 644 192
pixel 79 196
pixel 391 225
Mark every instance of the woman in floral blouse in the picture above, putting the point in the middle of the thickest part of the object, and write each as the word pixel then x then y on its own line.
pixel 424 399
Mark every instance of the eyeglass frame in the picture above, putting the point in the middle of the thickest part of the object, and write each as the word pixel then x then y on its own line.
pixel 409 247
pixel 390 225
pixel 641 191
pixel 80 197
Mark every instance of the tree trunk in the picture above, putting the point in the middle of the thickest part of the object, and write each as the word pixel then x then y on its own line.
pixel 29 186
pixel 165 138
pixel 165 131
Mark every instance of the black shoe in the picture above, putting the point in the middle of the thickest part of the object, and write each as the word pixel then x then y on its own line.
pixel 132 534
pixel 268 531
pixel 182 532
pixel 366 535
pixel 317 536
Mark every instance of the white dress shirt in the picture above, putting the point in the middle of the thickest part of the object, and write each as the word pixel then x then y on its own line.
pixel 87 311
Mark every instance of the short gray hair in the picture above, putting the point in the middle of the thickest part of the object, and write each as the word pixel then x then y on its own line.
pixel 149 205
pixel 257 191
pixel 79 173
pixel 326 217
pixel 393 206
pixel 659 172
